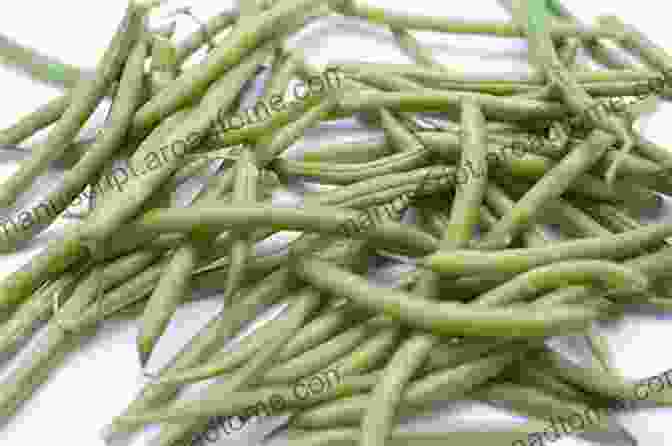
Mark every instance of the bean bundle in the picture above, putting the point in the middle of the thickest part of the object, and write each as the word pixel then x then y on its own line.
pixel 489 283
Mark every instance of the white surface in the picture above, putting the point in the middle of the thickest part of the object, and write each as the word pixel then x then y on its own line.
pixel 99 380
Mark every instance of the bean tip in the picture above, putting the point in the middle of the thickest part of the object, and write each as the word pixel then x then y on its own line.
pixel 144 352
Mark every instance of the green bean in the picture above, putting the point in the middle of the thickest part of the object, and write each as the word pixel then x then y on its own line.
pixel 561 274
pixel 349 152
pixel 314 219
pixel 213 405
pixel 536 403
pixel 585 226
pixel 453 354
pixel 420 392
pixel 29 124
pixel 616 246
pixel 379 417
pixel 579 224
pixel 635 41
pixel 306 301
pixel 39 307
pixel 441 385
pixel 228 54
pixel 551 186
pixel 301 343
pixel 244 192
pixel 614 218
pixel 384 81
pixel 210 338
pixel 495 107
pixel 529 166
pixel 252 131
pixel 399 136
pixel 573 94
pixel 201 347
pixel 351 342
pixel 652 150
pixel 595 380
pixel 84 100
pixel 110 214
pixel 164 65
pixel 280 78
pixel 654 265
pixel 441 24
pixel 528 375
pixel 272 145
pixel 236 402
pixel 170 289
pixel 346 173
pixel 443 318
pixel 55 345
pixel 372 350
pixel 39 66
pixel 597 50
pixel 371 354
pixel 386 397
pixel 321 329
pixel 198 38
pixel 413 48
pixel 18 387
pixel 128 98
pixel 441 76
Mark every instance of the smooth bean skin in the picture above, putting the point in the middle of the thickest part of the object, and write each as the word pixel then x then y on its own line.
pixel 617 246
pixel 312 219
pixel 445 318
pixel 495 107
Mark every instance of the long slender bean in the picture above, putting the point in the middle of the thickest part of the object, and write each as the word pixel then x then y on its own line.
pixel 313 219
pixel 447 25
pixel 29 124
pixel 495 107
pixel 617 246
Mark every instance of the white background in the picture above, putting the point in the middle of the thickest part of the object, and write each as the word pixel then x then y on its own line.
pixel 99 380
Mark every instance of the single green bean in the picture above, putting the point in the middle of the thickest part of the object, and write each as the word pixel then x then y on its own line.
pixel 29 124
pixel 441 76
pixel 495 107
pixel 441 24
pixel 39 66
pixel 617 246
pixel 560 274
pixel 350 152
pixel 314 219
pixel 595 380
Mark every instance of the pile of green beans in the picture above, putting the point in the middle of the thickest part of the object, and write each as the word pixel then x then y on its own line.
pixel 487 284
